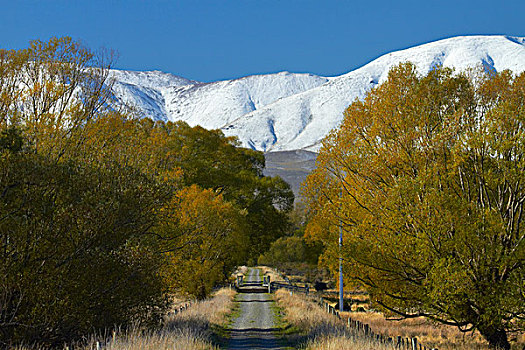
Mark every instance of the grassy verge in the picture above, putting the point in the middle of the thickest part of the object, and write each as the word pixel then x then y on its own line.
pixel 290 336
pixel 316 329
pixel 321 330
pixel 194 328
pixel 429 333
pixel 221 331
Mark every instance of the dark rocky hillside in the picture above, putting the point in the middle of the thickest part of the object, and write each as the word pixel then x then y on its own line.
pixel 292 166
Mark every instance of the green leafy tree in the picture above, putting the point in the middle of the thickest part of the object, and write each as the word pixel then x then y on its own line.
pixel 74 254
pixel 426 177
pixel 290 251
pixel 100 210
pixel 213 161
pixel 204 241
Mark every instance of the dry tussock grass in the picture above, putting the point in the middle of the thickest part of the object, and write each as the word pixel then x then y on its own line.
pixel 308 316
pixel 190 329
pixel 213 310
pixel 429 333
pixel 325 331
pixel 322 330
pixel 345 343
pixel 180 339
pixel 268 271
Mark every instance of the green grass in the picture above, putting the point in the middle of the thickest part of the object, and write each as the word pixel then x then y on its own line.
pixel 235 312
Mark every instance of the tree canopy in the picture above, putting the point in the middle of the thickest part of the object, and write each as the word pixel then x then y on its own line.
pixel 426 177
pixel 103 214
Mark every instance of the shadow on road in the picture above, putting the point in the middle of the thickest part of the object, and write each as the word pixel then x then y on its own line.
pixel 254 338
pixel 259 330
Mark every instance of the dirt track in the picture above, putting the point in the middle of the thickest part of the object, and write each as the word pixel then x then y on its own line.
pixel 255 327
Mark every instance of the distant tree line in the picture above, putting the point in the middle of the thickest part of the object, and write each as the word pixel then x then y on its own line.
pixel 104 214
pixel 293 254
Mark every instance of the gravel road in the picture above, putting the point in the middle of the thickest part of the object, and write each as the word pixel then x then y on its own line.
pixel 254 328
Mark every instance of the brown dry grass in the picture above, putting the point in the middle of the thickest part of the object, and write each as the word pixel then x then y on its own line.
pixel 190 329
pixel 320 329
pixel 268 271
pixel 325 331
pixel 429 333
pixel 345 343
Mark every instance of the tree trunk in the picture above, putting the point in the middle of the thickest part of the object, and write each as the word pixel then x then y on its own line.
pixel 497 338
pixel 201 291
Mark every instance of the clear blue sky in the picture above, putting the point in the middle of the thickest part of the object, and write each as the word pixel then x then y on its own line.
pixel 212 40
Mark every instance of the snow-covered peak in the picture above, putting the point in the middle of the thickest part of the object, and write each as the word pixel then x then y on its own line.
pixel 288 111
pixel 301 121
pixel 150 79
pixel 495 53
pixel 214 105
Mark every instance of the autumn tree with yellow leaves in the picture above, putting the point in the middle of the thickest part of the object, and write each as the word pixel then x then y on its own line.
pixel 103 214
pixel 426 177
pixel 206 239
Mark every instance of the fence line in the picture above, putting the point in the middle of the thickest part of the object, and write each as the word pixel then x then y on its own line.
pixel 288 286
pixel 181 308
pixel 356 326
pixel 365 330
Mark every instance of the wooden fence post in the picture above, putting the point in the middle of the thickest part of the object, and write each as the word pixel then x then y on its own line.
pixel 414 344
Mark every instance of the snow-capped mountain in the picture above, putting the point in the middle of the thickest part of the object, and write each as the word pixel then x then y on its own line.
pixel 145 90
pixel 285 111
pixel 163 96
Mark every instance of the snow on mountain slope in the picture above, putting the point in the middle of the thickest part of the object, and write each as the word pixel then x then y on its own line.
pixel 286 111
pixel 150 79
pixel 216 104
pixel 144 90
pixel 162 96
pixel 302 120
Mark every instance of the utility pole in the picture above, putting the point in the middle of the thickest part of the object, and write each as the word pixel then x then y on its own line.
pixel 341 254
pixel 340 267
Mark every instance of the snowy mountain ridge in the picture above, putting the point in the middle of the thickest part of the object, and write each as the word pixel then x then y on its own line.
pixel 289 111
